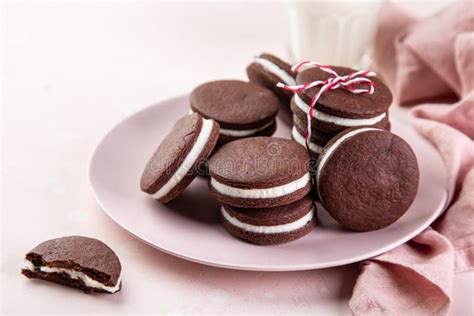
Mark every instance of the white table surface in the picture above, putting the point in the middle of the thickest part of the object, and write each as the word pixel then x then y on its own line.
pixel 70 72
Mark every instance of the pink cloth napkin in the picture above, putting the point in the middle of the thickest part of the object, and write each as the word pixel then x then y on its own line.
pixel 425 60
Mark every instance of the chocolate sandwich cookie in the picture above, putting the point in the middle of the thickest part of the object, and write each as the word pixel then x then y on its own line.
pixel 179 156
pixel 259 172
pixel 268 226
pixel 267 70
pixel 367 178
pixel 242 109
pixel 75 261
pixel 339 109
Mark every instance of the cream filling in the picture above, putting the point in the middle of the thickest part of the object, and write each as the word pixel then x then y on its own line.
pixel 274 69
pixel 189 161
pixel 325 156
pixel 240 133
pixel 267 193
pixel 302 141
pixel 244 132
pixel 336 119
pixel 73 274
pixel 277 229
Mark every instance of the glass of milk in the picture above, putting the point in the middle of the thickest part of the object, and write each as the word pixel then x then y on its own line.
pixel 334 33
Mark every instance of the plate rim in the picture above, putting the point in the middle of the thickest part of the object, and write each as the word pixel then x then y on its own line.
pixel 249 267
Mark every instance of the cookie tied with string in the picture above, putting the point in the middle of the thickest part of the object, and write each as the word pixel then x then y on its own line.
pixel 340 108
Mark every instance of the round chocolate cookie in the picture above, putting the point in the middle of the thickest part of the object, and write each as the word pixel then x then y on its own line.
pixel 339 109
pixel 259 172
pixel 268 226
pixel 179 156
pixel 242 109
pixel 267 70
pixel 75 261
pixel 367 178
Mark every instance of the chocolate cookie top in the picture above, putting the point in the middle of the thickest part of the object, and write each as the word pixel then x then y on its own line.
pixel 273 215
pixel 235 104
pixel 175 163
pixel 259 162
pixel 367 178
pixel 340 102
pixel 88 255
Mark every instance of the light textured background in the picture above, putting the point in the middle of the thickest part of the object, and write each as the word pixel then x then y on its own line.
pixel 70 72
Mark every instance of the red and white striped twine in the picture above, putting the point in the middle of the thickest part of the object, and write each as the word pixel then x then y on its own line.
pixel 348 82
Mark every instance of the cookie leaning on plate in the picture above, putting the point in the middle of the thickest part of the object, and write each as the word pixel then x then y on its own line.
pixel 179 156
pixel 75 261
pixel 268 226
pixel 242 109
pixel 259 172
pixel 367 178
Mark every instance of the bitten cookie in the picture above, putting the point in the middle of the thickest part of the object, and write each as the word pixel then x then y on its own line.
pixel 259 172
pixel 75 261
pixel 242 109
pixel 176 161
pixel 367 178
pixel 267 70
pixel 268 226
pixel 340 109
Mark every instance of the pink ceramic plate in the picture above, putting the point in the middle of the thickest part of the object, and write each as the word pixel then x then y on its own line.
pixel 189 228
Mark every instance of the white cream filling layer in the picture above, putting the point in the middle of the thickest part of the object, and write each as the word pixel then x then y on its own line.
pixel 274 69
pixel 325 156
pixel 244 132
pixel 73 274
pixel 277 229
pixel 336 119
pixel 267 193
pixel 302 141
pixel 189 161
pixel 240 133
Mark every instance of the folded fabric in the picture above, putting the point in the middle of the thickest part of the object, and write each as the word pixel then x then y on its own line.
pixel 427 59
pixel 420 65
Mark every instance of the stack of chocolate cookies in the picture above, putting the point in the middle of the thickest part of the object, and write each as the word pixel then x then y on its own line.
pixel 263 185
pixel 336 110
